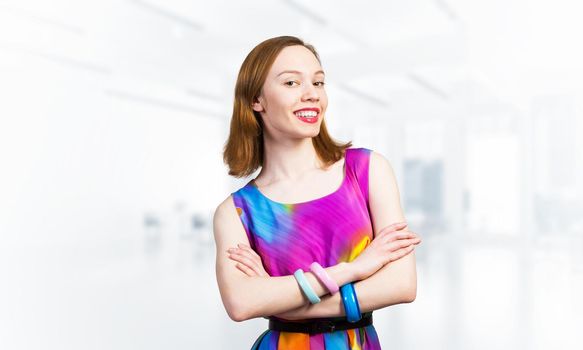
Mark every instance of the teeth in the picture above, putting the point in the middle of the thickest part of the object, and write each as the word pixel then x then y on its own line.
pixel 308 114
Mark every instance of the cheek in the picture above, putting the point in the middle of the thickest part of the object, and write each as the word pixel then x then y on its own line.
pixel 281 100
pixel 323 99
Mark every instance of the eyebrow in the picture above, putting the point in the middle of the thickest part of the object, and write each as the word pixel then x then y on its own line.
pixel 298 72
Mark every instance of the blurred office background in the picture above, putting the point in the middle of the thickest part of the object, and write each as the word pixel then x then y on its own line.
pixel 113 115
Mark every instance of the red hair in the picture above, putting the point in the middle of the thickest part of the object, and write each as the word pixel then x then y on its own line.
pixel 243 150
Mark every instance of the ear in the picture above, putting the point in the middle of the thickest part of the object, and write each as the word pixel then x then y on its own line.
pixel 257 107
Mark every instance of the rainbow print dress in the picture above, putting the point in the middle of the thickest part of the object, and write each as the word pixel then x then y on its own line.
pixel 331 229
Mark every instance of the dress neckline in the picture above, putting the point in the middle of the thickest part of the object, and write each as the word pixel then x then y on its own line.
pixel 344 180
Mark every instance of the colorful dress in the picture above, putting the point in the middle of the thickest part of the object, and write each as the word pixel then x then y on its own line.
pixel 331 229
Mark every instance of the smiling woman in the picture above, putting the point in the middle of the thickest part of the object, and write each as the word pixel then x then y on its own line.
pixel 277 85
pixel 298 92
pixel 316 241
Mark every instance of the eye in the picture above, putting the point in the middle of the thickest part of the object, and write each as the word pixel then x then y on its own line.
pixel 320 82
pixel 291 81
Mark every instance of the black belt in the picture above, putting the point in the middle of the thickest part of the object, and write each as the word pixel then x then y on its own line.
pixel 320 326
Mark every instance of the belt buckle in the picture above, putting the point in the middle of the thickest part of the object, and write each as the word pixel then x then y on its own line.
pixel 323 327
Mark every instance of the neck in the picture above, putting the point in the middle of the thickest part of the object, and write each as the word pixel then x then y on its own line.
pixel 288 160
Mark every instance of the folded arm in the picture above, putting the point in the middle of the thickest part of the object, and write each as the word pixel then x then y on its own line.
pixel 394 283
pixel 247 297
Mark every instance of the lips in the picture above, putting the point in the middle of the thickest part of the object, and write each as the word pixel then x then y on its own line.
pixel 308 115
pixel 315 109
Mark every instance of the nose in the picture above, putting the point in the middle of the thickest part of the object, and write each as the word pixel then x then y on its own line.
pixel 310 93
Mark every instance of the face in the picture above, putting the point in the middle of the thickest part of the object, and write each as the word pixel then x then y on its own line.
pixel 292 104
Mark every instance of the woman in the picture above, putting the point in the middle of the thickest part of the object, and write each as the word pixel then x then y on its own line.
pixel 317 240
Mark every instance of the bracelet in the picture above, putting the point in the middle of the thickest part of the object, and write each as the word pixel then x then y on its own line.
pixel 350 302
pixel 305 285
pixel 323 276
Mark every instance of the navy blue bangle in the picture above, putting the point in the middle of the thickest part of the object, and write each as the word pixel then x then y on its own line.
pixel 350 302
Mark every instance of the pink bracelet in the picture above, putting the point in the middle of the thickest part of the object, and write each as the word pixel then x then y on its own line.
pixel 323 276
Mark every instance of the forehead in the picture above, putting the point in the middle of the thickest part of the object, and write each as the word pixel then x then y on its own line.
pixel 295 58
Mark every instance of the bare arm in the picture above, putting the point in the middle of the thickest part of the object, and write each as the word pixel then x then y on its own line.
pixel 380 290
pixel 394 283
pixel 247 297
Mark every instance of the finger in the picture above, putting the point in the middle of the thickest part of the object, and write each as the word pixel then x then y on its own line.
pixel 235 257
pixel 411 241
pixel 240 258
pixel 258 263
pixel 414 233
pixel 395 235
pixel 244 262
pixel 246 270
pixel 418 239
pixel 400 244
pixel 245 259
pixel 406 251
pixel 409 235
pixel 393 227
pixel 398 224
pixel 248 249
pixel 402 252
pixel 251 254
pixel 243 252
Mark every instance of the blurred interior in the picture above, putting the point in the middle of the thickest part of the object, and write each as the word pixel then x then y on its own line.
pixel 113 118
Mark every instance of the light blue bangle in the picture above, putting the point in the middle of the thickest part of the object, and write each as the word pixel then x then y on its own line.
pixel 305 285
pixel 350 302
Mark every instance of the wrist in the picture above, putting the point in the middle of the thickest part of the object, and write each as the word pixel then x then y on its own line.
pixel 342 273
pixel 353 272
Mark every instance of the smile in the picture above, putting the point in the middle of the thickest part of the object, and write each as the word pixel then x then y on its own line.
pixel 308 115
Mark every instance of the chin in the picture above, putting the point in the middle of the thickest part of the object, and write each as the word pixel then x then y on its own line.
pixel 314 129
pixel 308 134
pixel 314 134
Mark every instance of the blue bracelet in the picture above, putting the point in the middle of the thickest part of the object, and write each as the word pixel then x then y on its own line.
pixel 305 285
pixel 350 302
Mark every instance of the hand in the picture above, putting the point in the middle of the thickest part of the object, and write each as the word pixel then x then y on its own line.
pixel 391 243
pixel 248 261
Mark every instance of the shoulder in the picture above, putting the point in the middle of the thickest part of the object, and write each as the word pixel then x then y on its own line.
pixel 229 205
pixel 382 179
pixel 380 165
pixel 225 213
pixel 228 224
pixel 377 164
pixel 374 159
pixel 385 203
pixel 225 209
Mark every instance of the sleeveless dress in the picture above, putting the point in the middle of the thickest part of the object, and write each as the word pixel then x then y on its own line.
pixel 331 229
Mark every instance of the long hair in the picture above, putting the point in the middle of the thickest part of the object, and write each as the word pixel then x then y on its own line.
pixel 244 148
